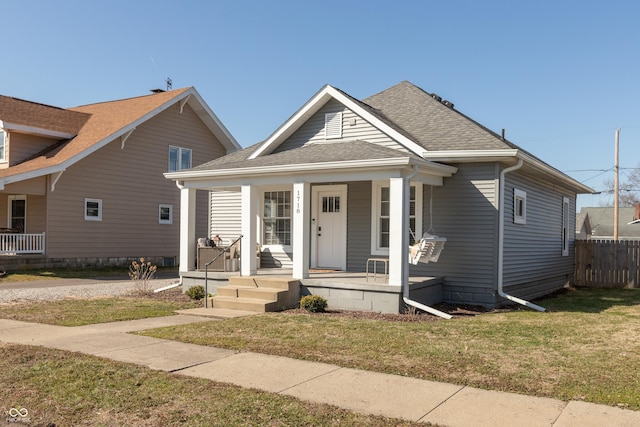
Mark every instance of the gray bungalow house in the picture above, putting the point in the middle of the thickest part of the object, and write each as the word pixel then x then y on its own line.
pixel 345 184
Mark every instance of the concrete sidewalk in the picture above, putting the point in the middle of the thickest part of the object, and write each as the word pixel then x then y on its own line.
pixel 357 390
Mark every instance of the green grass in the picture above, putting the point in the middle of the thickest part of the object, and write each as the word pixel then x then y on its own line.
pixel 64 389
pixel 587 347
pixel 70 312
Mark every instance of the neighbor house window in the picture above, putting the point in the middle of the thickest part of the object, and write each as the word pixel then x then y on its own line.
pixel 333 125
pixel 165 214
pixel 565 226
pixel 179 158
pixel 93 209
pixel 277 218
pixel 381 216
pixel 3 145
pixel 519 206
pixel 17 213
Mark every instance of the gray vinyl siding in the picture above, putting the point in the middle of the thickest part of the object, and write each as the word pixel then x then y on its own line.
pixel 312 131
pixel 533 260
pixel 358 225
pixel 465 212
pixel 226 210
pixel 131 185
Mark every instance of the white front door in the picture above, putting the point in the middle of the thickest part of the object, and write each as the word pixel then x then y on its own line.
pixel 329 227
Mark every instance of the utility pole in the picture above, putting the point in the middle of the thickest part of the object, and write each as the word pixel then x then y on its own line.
pixel 616 201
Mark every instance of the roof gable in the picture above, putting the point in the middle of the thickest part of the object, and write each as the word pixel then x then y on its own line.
pixel 108 121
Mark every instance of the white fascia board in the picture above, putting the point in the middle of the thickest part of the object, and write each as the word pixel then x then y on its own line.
pixel 469 156
pixel 313 105
pixel 30 175
pixel 13 127
pixel 212 121
pixel 325 167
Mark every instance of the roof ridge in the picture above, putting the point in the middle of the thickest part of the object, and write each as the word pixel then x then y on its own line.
pixel 178 91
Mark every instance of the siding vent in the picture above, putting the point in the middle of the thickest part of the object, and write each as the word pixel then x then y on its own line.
pixel 333 125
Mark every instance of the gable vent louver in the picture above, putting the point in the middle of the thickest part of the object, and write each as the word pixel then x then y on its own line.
pixel 333 125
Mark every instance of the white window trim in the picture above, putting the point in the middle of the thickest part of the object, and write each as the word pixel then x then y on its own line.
pixel 565 226
pixel 519 195
pixel 9 213
pixel 283 248
pixel 165 221
pixel 180 151
pixel 93 218
pixel 376 191
pixel 333 125
pixel 4 137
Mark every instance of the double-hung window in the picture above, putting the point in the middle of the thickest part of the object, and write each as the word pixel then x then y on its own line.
pixel 381 202
pixel 565 226
pixel 93 210
pixel 179 158
pixel 277 218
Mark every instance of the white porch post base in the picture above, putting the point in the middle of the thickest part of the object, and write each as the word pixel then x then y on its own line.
pixel 249 220
pixel 301 219
pixel 398 234
pixel 187 229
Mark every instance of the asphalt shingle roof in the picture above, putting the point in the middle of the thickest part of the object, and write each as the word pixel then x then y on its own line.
pixel 27 113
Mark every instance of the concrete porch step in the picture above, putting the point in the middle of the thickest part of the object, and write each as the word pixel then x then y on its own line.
pixel 258 294
pixel 245 304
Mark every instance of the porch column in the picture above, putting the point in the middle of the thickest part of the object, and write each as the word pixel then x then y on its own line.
pixel 300 233
pixel 398 231
pixel 249 221
pixel 187 229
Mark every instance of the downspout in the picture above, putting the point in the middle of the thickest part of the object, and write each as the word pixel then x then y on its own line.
pixel 501 242
pixel 405 283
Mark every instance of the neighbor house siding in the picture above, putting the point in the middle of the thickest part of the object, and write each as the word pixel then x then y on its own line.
pixel 131 185
pixel 23 146
pixel 533 260
pixel 353 128
pixel 465 212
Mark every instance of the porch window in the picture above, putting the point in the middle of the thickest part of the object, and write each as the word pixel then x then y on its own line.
pixel 93 209
pixel 519 206
pixel 277 218
pixel 565 226
pixel 179 158
pixel 381 220
pixel 3 138
pixel 165 214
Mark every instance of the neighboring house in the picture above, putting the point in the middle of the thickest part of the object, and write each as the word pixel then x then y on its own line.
pixel 583 226
pixel 343 181
pixel 85 185
pixel 601 220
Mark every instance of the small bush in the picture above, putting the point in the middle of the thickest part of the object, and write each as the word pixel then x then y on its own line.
pixel 141 273
pixel 195 292
pixel 313 303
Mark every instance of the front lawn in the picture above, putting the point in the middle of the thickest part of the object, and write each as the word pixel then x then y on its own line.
pixel 587 347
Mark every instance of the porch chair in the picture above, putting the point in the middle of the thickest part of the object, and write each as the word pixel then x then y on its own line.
pixel 426 250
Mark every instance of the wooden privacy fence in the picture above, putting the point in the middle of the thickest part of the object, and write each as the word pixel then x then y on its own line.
pixel 607 263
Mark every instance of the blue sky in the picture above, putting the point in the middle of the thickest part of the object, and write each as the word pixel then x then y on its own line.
pixel 560 77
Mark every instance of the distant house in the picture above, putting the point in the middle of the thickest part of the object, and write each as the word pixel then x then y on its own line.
pixel 85 185
pixel 583 226
pixel 345 182
pixel 602 222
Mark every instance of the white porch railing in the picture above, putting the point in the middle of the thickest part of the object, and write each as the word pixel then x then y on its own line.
pixel 18 243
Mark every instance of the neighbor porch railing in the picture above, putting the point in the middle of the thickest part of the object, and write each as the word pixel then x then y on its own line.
pixel 18 243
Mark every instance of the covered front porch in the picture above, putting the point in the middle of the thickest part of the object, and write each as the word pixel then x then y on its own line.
pixel 344 290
